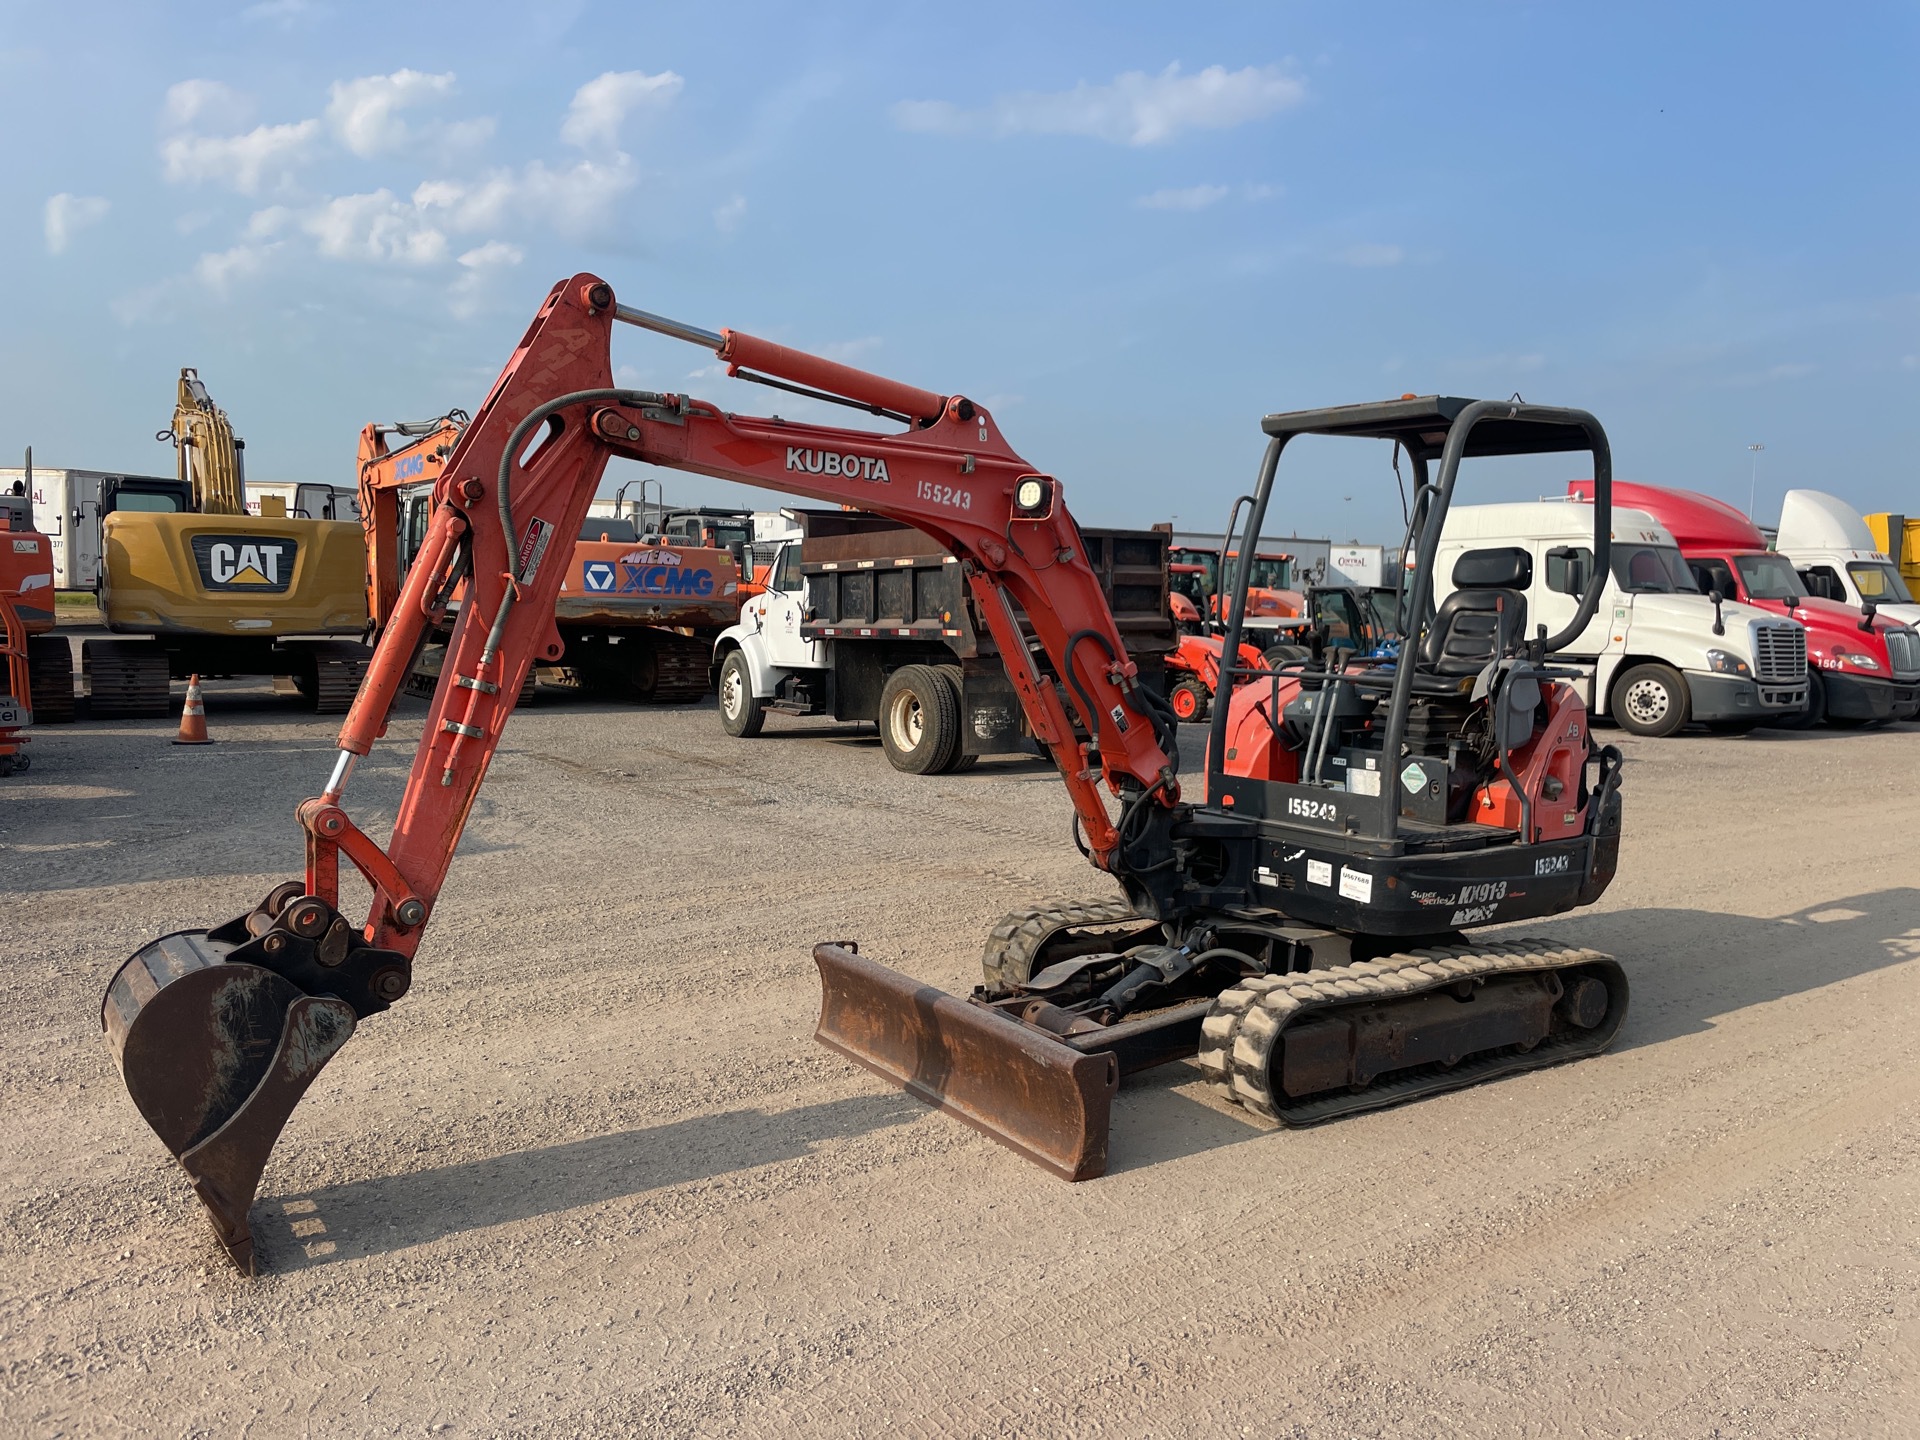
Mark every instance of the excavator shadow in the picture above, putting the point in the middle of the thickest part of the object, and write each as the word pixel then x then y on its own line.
pixel 393 1212
pixel 1689 968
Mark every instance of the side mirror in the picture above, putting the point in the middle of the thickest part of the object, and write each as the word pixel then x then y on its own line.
pixel 1719 625
pixel 1571 581
pixel 1868 609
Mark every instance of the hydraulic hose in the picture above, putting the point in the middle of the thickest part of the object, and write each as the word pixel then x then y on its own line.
pixel 504 495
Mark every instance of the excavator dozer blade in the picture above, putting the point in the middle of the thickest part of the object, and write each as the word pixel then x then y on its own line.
pixel 1045 1100
pixel 216 1055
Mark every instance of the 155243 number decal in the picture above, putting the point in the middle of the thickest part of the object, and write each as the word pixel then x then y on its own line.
pixel 951 496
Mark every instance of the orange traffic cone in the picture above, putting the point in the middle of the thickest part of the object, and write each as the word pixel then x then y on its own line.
pixel 193 717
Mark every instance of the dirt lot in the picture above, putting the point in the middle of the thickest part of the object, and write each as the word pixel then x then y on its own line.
pixel 593 1177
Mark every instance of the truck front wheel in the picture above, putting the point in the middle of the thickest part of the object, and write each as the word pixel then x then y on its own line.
pixel 919 720
pixel 740 713
pixel 1651 700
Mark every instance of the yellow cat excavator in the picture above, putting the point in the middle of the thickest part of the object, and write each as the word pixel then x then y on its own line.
pixel 212 590
pixel 1296 921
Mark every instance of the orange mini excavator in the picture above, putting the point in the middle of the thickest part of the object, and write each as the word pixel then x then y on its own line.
pixel 1296 922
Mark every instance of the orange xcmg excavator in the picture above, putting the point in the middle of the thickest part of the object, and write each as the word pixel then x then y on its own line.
pixel 1297 923
pixel 637 614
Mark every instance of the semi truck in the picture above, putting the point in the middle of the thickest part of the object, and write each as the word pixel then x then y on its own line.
pixel 1657 653
pixel 1839 558
pixel 1865 669
pixel 868 619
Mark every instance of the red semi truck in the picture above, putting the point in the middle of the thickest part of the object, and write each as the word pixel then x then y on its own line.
pixel 1862 669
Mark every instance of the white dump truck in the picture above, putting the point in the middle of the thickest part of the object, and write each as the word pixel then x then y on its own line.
pixel 1657 653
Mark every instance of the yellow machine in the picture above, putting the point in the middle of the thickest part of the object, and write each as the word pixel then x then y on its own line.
pixel 1898 537
pixel 216 591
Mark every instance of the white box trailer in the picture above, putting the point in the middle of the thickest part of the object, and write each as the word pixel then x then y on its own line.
pixel 305 500
pixel 1362 566
pixel 68 504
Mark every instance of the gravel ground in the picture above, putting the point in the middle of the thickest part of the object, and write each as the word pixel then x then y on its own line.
pixel 593 1177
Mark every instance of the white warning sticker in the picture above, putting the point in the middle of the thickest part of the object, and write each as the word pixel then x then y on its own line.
pixel 1320 872
pixel 1363 782
pixel 1356 884
pixel 1414 778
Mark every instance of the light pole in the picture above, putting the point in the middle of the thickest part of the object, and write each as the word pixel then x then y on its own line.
pixel 1753 477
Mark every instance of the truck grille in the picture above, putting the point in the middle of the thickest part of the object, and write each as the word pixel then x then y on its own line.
pixel 1780 654
pixel 1903 649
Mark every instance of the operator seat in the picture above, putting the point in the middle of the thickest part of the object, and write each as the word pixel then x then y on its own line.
pixel 1484 618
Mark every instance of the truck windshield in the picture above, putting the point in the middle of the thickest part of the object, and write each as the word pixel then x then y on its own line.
pixel 1770 577
pixel 1651 570
pixel 1879 582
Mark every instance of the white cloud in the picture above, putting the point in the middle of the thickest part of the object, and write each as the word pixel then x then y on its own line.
pixel 573 201
pixel 219 104
pixel 602 105
pixel 478 267
pixel 1258 190
pixel 218 270
pixel 727 217
pixel 1193 197
pixel 376 227
pixel 1371 257
pixel 69 214
pixel 364 113
pixel 264 156
pixel 1133 109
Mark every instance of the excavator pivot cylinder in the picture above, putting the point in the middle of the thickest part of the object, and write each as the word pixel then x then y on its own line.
pixel 216 1054
pixel 1009 1081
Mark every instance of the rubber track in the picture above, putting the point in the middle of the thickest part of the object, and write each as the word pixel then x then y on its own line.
pixel 126 678
pixel 50 675
pixel 682 667
pixel 1022 934
pixel 339 666
pixel 1240 1034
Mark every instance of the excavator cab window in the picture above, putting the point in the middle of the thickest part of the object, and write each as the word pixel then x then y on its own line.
pixel 168 497
pixel 419 511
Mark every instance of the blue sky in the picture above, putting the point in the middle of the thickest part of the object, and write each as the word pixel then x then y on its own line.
pixel 1130 229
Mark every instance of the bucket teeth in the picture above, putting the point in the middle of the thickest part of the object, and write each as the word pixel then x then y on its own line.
pixel 1040 1098
pixel 215 1056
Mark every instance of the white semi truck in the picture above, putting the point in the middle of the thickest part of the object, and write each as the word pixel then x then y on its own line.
pixel 1657 653
pixel 1838 558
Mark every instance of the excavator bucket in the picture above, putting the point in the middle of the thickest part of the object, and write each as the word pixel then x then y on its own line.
pixel 216 1055
pixel 1036 1096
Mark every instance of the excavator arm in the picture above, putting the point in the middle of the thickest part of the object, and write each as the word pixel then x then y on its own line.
pixel 220 1032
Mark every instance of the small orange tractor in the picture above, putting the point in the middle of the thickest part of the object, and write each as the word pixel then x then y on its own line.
pixel 1193 670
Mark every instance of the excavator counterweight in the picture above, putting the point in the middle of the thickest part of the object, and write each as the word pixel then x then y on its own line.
pixel 1298 929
